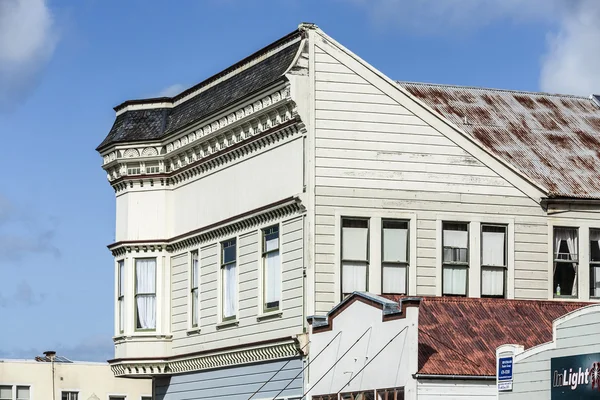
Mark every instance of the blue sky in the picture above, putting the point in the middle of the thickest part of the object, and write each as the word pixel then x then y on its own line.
pixel 64 64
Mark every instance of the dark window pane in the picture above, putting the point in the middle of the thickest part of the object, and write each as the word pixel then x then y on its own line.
pixel 355 223
pixel 228 251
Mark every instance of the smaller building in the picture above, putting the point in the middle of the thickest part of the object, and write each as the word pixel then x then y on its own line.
pixel 53 377
pixel 392 348
pixel 565 368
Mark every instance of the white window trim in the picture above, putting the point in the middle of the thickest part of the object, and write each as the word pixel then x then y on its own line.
pixel 14 388
pixel 583 272
pixel 375 275
pixel 474 271
pixel 109 395
pixel 163 285
pixel 62 390
pixel 190 324
pixel 118 333
pixel 225 323
pixel 261 314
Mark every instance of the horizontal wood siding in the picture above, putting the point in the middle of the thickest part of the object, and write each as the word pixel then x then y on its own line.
pixel 265 380
pixel 249 262
pixel 374 154
pixel 453 390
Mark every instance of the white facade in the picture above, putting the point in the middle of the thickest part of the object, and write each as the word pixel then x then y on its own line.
pixel 34 380
pixel 575 335
pixel 334 139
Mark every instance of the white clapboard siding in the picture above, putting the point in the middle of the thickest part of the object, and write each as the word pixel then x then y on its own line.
pixel 453 390
pixel 249 259
pixel 372 153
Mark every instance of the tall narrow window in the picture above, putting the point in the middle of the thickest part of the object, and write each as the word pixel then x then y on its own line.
pixel 194 295
pixel 229 279
pixel 394 256
pixel 121 295
pixel 455 258
pixel 271 268
pixel 595 262
pixel 145 293
pixel 566 246
pixel 355 255
pixel 493 261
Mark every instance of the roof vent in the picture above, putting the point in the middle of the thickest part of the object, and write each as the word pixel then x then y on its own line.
pixel 596 98
pixel 50 354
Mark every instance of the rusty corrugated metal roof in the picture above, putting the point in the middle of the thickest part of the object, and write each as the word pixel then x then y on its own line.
pixel 459 336
pixel 552 139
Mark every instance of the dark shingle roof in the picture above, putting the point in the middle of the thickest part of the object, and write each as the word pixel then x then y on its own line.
pixel 153 124
pixel 552 139
pixel 459 336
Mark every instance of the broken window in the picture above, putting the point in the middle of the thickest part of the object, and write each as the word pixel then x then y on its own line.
pixel 566 261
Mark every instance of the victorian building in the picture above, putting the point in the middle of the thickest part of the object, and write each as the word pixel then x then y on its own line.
pixel 271 191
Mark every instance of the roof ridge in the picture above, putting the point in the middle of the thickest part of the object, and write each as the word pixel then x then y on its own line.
pixel 494 89
pixel 442 299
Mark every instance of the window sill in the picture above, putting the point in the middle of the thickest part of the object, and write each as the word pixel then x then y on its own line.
pixel 269 315
pixel 565 297
pixel 193 331
pixel 228 324
pixel 122 338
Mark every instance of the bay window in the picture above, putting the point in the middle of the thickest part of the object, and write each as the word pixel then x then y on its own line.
pixel 355 255
pixel 121 295
pixel 145 293
pixel 493 260
pixel 228 279
pixel 194 295
pixel 394 256
pixel 455 258
pixel 271 268
pixel 594 262
pixel 566 261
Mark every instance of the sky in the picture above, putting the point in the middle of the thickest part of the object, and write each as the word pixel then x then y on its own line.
pixel 64 64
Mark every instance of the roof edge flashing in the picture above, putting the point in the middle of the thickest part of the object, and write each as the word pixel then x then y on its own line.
pixel 596 99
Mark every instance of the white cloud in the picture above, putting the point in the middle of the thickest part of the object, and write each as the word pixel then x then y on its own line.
pixel 171 90
pixel 572 64
pixel 572 60
pixel 27 41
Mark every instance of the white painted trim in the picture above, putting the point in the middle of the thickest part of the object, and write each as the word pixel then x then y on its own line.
pixel 520 181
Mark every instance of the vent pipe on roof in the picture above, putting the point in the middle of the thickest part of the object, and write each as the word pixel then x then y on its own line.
pixel 50 354
pixel 596 98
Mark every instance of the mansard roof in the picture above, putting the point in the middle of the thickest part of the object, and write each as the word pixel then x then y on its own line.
pixel 153 119
pixel 552 139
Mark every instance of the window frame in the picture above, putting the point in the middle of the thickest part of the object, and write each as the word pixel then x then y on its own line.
pixel 391 264
pixel 504 267
pixel 558 260
pixel 121 296
pixel 466 265
pixel 194 304
pixel 592 264
pixel 222 265
pixel 12 391
pixel 264 253
pixel 69 392
pixel 136 294
pixel 368 253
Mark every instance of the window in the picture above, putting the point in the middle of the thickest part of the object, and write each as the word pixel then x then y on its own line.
pixel 565 261
pixel 152 168
pixel 5 392
pixel 361 395
pixel 121 295
pixel 69 395
pixel 117 397
pixel 133 169
pixel 145 293
pixel 271 268
pixel 595 262
pixel 22 392
pixel 455 258
pixel 194 295
pixel 390 394
pixel 146 398
pixel 229 279
pixel 493 260
pixel 394 256
pixel 355 255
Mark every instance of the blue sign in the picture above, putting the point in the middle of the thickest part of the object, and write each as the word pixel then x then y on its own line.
pixel 505 369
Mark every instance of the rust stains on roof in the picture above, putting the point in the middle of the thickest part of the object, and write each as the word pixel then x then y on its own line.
pixel 459 336
pixel 552 139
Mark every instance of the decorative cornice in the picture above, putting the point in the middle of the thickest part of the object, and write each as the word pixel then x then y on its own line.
pixel 282 348
pixel 189 146
pixel 227 227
